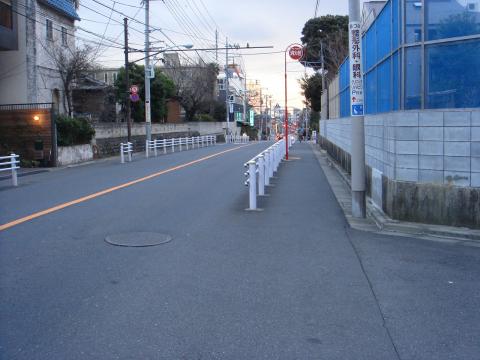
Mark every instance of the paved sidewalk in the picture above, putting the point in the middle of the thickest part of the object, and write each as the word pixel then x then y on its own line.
pixel 379 222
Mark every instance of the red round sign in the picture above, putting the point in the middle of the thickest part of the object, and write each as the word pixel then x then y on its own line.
pixel 296 52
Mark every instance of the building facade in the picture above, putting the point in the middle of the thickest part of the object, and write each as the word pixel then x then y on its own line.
pixel 417 55
pixel 422 105
pixel 27 69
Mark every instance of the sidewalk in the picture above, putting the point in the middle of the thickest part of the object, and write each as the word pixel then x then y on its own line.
pixel 379 222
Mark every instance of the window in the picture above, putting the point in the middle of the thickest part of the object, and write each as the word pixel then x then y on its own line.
pixel 452 75
pixel 6 14
pixel 451 19
pixel 221 84
pixel 115 77
pixel 64 36
pixel 413 21
pixel 49 28
pixel 105 76
pixel 413 96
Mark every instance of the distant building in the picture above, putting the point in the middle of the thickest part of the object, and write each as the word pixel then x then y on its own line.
pixel 106 75
pixel 27 35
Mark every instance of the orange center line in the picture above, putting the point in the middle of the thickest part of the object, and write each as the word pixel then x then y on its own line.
pixel 109 190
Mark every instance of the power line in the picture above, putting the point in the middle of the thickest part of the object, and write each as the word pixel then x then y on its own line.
pixel 128 17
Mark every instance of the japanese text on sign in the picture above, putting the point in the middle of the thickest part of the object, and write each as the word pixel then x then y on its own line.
pixel 356 79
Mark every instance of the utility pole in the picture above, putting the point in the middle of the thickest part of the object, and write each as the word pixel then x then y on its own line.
pixel 127 82
pixel 148 110
pixel 227 90
pixel 245 97
pixel 216 45
pixel 261 116
pixel 356 110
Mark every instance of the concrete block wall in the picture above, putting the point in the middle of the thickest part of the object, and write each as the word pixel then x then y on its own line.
pixel 429 146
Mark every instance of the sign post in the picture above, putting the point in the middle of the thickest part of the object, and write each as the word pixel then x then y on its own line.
pixel 295 51
pixel 356 110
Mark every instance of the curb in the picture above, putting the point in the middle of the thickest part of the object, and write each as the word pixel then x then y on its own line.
pixel 383 223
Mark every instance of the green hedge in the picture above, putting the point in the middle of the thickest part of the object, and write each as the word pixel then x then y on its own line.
pixel 203 118
pixel 73 131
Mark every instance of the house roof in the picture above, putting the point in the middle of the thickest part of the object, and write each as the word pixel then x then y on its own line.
pixel 65 7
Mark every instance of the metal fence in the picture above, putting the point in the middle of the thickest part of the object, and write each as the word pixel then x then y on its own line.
pixel 10 163
pixel 261 168
pixel 180 143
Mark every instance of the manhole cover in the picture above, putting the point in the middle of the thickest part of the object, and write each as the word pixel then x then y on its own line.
pixel 138 239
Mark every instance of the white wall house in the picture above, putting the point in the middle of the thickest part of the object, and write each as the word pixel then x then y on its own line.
pixel 28 74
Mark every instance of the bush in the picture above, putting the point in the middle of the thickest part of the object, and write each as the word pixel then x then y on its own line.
pixel 73 131
pixel 203 118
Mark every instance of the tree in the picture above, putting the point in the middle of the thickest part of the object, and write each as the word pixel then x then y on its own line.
pixel 161 89
pixel 195 86
pixel 71 63
pixel 332 32
pixel 312 90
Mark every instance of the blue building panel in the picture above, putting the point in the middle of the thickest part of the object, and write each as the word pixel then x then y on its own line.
pixel 383 26
pixel 370 85
pixel 383 87
pixel 65 7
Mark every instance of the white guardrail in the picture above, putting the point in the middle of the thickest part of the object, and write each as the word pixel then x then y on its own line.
pixel 10 163
pixel 262 167
pixel 126 148
pixel 187 142
pixel 167 145
pixel 236 139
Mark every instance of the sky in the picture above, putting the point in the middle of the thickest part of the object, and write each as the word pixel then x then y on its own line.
pixel 184 22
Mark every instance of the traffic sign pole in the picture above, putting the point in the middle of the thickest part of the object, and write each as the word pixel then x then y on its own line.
pixel 295 51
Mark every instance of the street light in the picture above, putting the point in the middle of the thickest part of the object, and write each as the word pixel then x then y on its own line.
pixel 148 74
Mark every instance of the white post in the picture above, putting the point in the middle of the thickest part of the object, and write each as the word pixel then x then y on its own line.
pixel 186 142
pixel 261 175
pixel 267 167
pixel 14 169
pixel 155 147
pixel 252 183
pixel 164 146
pixel 173 144
pixel 122 156
pixel 180 142
pixel 129 147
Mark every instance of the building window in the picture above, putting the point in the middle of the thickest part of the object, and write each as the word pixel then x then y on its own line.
pixel 114 77
pixel 64 36
pixel 221 84
pixel 6 14
pixel 451 19
pixel 49 28
pixel 452 75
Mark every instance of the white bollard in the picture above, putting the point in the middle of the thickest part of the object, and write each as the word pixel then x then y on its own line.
pixel 164 146
pixel 173 144
pixel 129 148
pixel 252 178
pixel 147 145
pixel 261 175
pixel 186 141
pixel 14 169
pixel 267 167
pixel 122 156
pixel 155 147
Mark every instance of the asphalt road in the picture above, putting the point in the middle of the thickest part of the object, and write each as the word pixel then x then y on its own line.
pixel 289 282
